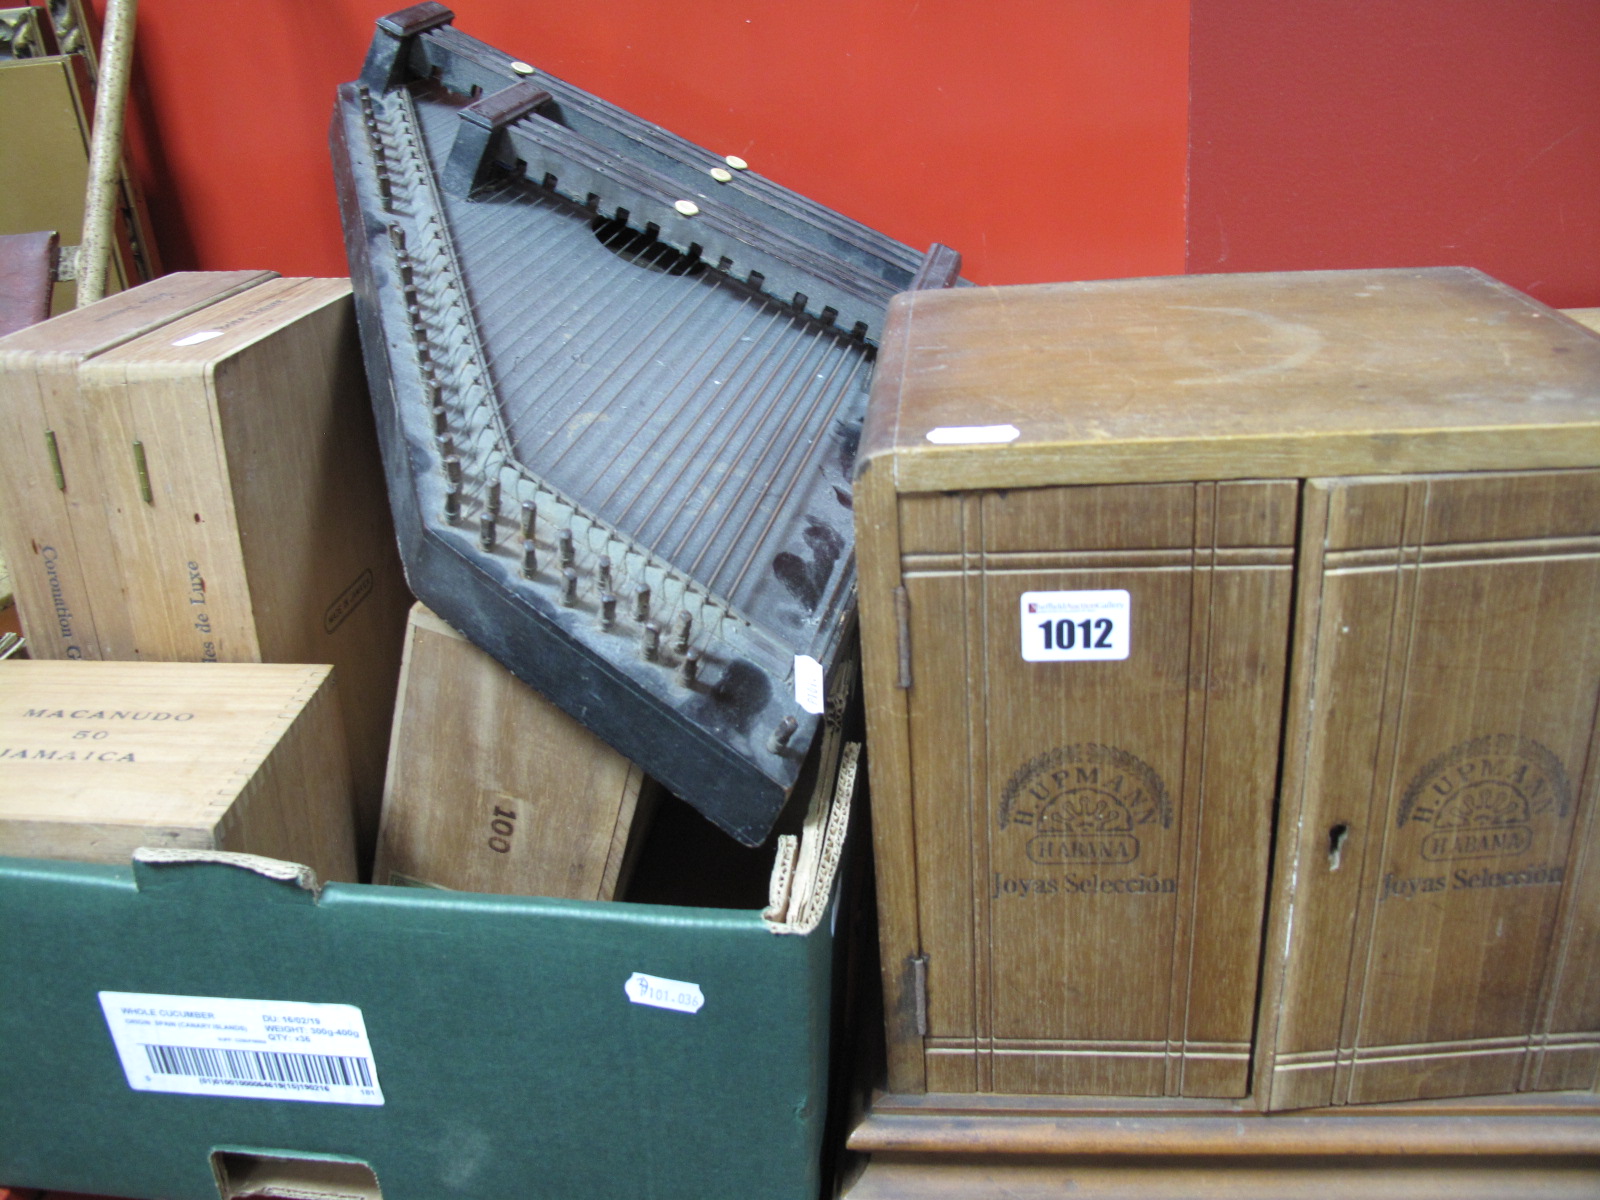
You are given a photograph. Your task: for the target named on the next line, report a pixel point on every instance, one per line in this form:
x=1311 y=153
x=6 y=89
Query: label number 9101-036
x=1076 y=626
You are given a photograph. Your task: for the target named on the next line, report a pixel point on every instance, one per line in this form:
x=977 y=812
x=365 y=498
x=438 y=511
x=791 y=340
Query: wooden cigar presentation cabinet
x=1232 y=648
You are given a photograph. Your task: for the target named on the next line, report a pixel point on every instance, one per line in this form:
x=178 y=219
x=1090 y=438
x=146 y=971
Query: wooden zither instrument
x=619 y=383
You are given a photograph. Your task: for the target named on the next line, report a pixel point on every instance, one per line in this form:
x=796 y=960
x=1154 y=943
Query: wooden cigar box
x=1159 y=574
x=245 y=501
x=53 y=528
x=100 y=758
x=491 y=788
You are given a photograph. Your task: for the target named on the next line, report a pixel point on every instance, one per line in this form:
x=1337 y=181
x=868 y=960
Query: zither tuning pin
x=565 y=548
x=680 y=632
x=650 y=641
x=569 y=587
x=528 y=514
x=689 y=669
x=530 y=560
x=641 y=605
x=608 y=610
x=486 y=530
x=781 y=735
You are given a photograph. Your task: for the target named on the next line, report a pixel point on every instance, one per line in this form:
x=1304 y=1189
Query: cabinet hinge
x=902 y=616
x=919 y=986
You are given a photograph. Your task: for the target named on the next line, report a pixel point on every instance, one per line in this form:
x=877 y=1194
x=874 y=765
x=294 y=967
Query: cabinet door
x=1435 y=911
x=1096 y=685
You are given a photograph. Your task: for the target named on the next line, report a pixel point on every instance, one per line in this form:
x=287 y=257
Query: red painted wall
x=1045 y=139
x=1355 y=133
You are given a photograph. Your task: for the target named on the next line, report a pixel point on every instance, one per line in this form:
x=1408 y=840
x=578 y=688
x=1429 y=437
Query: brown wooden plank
x=1512 y=1145
x=27 y=275
x=1456 y=702
x=1091 y=518
x=1520 y=507
x=1353 y=1179
x=1048 y=971
x=930 y=524
x=1236 y=376
x=889 y=766
x=941 y=765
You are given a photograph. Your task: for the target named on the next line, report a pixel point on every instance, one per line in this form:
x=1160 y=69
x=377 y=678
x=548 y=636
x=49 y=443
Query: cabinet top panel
x=1228 y=377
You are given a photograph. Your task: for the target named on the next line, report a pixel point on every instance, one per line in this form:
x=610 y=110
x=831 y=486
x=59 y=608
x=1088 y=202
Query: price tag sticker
x=664 y=993
x=1076 y=626
x=809 y=681
x=973 y=435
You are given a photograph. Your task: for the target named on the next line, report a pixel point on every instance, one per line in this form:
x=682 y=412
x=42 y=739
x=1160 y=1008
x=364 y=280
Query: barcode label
x=263 y=1068
x=261 y=1049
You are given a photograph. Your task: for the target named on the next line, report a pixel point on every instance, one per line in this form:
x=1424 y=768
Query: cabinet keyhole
x=1336 y=840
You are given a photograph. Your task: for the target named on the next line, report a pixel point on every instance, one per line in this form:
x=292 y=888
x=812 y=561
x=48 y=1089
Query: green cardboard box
x=503 y=1047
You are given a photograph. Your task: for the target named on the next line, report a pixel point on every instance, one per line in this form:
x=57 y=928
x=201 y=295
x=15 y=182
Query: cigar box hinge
x=55 y=459
x=902 y=617
x=919 y=985
x=143 y=467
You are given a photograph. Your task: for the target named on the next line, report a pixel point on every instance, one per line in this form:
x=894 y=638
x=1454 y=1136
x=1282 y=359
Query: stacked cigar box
x=1232 y=652
x=98 y=759
x=191 y=477
x=493 y=789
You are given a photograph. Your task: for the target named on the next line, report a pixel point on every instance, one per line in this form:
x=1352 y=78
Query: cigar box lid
x=1229 y=377
x=194 y=344
x=86 y=332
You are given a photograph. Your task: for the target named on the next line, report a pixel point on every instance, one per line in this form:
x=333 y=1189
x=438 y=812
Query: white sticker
x=194 y=339
x=260 y=1049
x=1076 y=626
x=966 y=435
x=808 y=683
x=664 y=993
